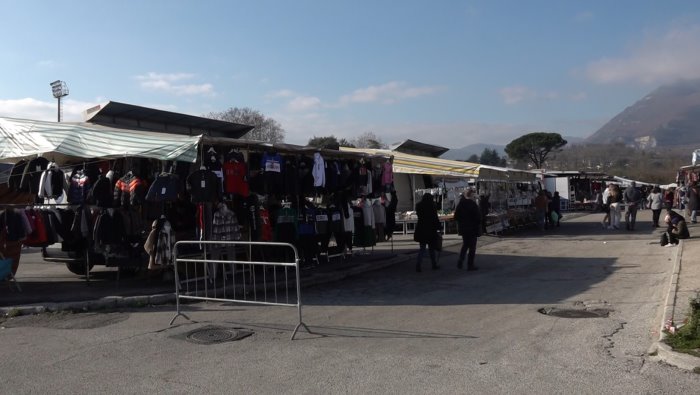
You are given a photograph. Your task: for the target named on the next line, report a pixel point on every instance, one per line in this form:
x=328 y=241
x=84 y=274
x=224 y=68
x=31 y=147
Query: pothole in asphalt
x=574 y=313
x=216 y=334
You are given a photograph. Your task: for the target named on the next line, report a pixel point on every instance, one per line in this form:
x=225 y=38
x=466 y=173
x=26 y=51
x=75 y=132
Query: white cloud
x=519 y=93
x=451 y=135
x=173 y=83
x=515 y=94
x=303 y=103
x=282 y=93
x=388 y=93
x=29 y=108
x=657 y=59
x=47 y=63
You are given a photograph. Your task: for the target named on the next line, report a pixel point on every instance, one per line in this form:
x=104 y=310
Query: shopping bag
x=554 y=216
x=437 y=242
x=5 y=268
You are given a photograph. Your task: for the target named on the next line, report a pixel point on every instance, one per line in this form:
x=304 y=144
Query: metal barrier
x=213 y=273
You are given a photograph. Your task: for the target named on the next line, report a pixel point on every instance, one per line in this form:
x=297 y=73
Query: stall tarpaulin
x=494 y=173
x=416 y=164
x=22 y=138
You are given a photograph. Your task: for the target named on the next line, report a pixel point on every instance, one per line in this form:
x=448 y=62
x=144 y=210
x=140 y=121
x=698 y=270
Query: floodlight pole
x=59 y=90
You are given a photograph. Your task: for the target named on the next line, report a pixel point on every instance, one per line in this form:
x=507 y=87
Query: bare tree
x=368 y=140
x=265 y=129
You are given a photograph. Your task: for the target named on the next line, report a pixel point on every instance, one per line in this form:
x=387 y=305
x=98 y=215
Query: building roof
x=130 y=116
x=417 y=148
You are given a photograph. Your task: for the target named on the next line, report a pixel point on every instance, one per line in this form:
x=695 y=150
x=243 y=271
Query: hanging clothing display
x=165 y=188
x=215 y=166
x=265 y=225
x=387 y=175
x=52 y=183
x=225 y=225
x=236 y=178
x=101 y=194
x=128 y=210
x=272 y=168
x=203 y=186
x=37 y=237
x=78 y=186
x=31 y=176
x=379 y=212
x=319 y=170
x=129 y=190
x=15 y=179
x=290 y=177
x=286 y=227
x=160 y=244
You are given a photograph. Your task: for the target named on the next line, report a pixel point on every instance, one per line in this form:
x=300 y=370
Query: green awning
x=20 y=138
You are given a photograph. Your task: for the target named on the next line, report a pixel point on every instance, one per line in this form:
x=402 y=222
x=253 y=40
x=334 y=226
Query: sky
x=450 y=73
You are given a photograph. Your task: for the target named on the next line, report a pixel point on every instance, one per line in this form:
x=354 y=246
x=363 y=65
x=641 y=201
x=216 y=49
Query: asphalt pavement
x=50 y=286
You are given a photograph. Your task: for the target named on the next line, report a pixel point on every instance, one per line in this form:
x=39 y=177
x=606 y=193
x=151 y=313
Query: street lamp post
x=59 y=90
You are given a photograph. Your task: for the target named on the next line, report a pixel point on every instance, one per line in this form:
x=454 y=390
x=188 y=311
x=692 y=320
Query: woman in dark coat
x=426 y=229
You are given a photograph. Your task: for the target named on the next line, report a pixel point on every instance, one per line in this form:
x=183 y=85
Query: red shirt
x=235 y=178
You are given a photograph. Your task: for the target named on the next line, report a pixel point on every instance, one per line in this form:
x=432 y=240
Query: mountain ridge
x=666 y=117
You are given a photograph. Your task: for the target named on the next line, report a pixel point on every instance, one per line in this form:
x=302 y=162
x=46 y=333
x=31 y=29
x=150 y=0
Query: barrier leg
x=296 y=329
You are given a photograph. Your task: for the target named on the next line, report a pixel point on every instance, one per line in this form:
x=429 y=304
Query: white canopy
x=416 y=164
x=23 y=138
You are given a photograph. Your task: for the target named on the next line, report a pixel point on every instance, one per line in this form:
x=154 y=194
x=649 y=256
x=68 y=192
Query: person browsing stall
x=468 y=218
x=426 y=230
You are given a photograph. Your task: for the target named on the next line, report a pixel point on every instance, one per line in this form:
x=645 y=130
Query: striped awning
x=416 y=164
x=21 y=138
x=495 y=173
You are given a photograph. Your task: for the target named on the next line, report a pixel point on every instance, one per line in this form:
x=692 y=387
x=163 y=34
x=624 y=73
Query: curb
x=106 y=303
x=660 y=350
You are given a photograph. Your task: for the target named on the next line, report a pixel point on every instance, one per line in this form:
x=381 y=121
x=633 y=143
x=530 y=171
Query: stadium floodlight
x=59 y=90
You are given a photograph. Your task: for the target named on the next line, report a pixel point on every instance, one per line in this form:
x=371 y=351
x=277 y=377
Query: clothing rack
x=44 y=251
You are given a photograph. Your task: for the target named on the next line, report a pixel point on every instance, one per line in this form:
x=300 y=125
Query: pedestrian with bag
x=468 y=220
x=614 y=199
x=426 y=232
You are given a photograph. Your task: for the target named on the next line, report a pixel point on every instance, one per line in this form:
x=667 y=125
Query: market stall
x=578 y=189
x=115 y=196
x=47 y=185
x=415 y=175
x=509 y=193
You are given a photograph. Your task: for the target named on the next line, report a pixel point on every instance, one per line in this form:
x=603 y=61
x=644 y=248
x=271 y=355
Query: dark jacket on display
x=165 y=188
x=101 y=193
x=15 y=179
x=32 y=174
x=78 y=187
x=203 y=186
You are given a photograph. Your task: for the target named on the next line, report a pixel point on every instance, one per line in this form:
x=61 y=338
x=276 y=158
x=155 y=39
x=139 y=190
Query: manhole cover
x=213 y=335
x=574 y=313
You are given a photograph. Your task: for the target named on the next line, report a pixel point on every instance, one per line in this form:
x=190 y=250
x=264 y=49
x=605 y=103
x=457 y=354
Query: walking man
x=632 y=197
x=468 y=219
